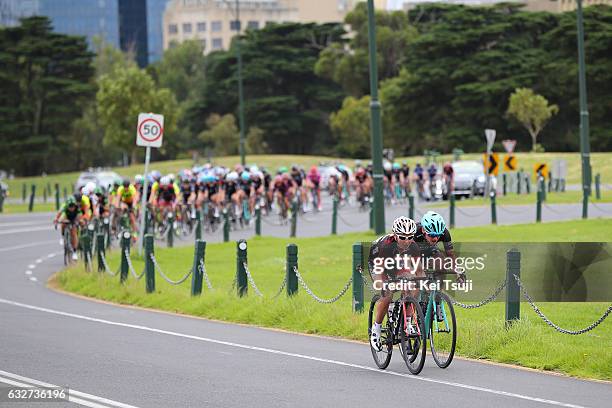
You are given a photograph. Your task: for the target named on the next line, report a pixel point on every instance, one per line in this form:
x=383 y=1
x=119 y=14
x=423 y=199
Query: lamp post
x=585 y=149
x=240 y=90
x=375 y=128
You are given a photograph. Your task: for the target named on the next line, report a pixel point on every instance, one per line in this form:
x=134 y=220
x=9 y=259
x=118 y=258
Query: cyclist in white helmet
x=399 y=242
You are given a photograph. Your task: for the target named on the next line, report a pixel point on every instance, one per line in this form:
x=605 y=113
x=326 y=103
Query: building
x=213 y=22
x=131 y=25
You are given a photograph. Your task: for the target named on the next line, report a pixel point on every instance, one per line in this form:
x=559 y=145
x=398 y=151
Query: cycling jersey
x=315 y=178
x=405 y=171
x=168 y=192
x=246 y=187
x=297 y=177
x=230 y=188
x=70 y=215
x=448 y=170
x=418 y=170
x=186 y=190
x=127 y=195
x=361 y=178
x=387 y=247
x=396 y=174
x=426 y=248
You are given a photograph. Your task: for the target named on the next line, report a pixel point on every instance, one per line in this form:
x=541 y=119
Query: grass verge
x=530 y=343
x=569 y=197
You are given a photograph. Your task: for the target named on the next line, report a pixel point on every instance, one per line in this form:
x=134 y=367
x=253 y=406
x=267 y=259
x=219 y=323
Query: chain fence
x=106 y=268
x=553 y=209
x=348 y=224
x=166 y=278
x=489 y=299
x=505 y=209
x=282 y=286
x=467 y=214
x=88 y=264
x=251 y=280
x=315 y=297
x=131 y=267
x=550 y=323
x=202 y=268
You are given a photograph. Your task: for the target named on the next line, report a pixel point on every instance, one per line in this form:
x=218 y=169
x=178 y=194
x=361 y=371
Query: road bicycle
x=410 y=323
x=69 y=250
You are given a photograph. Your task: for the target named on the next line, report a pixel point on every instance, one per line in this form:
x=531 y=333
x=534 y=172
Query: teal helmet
x=396 y=166
x=433 y=224
x=70 y=201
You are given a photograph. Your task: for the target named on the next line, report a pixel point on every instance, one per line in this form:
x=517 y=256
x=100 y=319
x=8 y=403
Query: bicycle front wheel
x=382 y=357
x=412 y=340
x=443 y=331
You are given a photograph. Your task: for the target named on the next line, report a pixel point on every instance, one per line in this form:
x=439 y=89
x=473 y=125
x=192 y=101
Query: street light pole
x=375 y=128
x=585 y=149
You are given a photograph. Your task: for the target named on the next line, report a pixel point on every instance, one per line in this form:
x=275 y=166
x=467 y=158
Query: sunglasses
x=433 y=236
x=403 y=237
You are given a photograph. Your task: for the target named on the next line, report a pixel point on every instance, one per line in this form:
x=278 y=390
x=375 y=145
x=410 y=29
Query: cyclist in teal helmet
x=431 y=230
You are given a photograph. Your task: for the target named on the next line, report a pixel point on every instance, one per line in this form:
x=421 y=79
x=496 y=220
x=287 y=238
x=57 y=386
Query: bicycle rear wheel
x=383 y=357
x=443 y=333
x=412 y=340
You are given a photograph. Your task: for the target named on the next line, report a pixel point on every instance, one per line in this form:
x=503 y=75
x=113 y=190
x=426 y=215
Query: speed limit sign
x=150 y=130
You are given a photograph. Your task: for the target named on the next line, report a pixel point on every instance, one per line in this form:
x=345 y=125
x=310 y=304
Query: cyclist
x=398 y=243
x=165 y=195
x=448 y=176
x=70 y=212
x=127 y=197
x=298 y=176
x=101 y=210
x=406 y=175
x=363 y=184
x=84 y=205
x=314 y=179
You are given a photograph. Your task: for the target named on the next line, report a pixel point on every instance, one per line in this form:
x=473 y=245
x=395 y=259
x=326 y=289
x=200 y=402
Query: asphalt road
x=115 y=356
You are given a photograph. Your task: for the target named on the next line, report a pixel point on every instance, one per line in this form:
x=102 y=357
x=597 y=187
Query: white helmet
x=165 y=180
x=232 y=176
x=387 y=166
x=404 y=226
x=89 y=188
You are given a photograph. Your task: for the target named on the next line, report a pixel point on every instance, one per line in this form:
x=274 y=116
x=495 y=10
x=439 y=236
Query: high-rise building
x=213 y=22
x=131 y=25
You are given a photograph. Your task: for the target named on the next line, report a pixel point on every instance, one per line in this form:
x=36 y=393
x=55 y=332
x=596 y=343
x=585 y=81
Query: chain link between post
x=483 y=302
x=315 y=297
x=167 y=279
x=251 y=280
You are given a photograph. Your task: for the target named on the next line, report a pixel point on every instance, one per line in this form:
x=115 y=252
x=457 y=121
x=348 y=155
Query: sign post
x=149 y=133
x=490 y=135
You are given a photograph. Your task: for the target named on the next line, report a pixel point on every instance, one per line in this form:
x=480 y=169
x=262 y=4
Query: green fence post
x=334 y=229
x=170 y=232
x=101 y=251
x=86 y=242
x=493 y=207
x=57 y=197
x=504 y=182
x=411 y=206
x=292 y=261
x=513 y=293
x=519 y=180
x=539 y=206
x=106 y=231
x=2 y=192
x=65 y=193
x=241 y=259
x=24 y=192
x=226 y=226
x=357 y=279
x=527 y=184
x=257 y=220
x=32 y=195
x=294 y=214
x=542 y=186
x=125 y=252
x=452 y=210
x=198 y=273
x=597 y=190
x=45 y=195
x=563 y=185
x=149 y=267
x=198 y=229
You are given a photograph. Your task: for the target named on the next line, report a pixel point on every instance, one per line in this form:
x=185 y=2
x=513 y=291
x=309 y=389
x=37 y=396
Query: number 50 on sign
x=150 y=130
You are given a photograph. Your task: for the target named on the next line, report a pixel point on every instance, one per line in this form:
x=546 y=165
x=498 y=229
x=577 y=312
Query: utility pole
x=585 y=149
x=375 y=128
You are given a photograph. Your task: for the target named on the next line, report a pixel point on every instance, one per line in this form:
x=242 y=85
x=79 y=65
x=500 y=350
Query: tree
x=124 y=94
x=46 y=78
x=283 y=96
x=222 y=134
x=351 y=127
x=532 y=111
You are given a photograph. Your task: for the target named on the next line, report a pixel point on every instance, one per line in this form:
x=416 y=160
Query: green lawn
x=568 y=197
x=325 y=264
x=22 y=208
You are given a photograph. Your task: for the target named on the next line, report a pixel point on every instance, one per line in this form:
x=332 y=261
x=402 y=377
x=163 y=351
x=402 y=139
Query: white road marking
x=39 y=261
x=19 y=231
x=51 y=255
x=33 y=278
x=19 y=224
x=295 y=355
x=28 y=272
x=20 y=381
x=31 y=266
